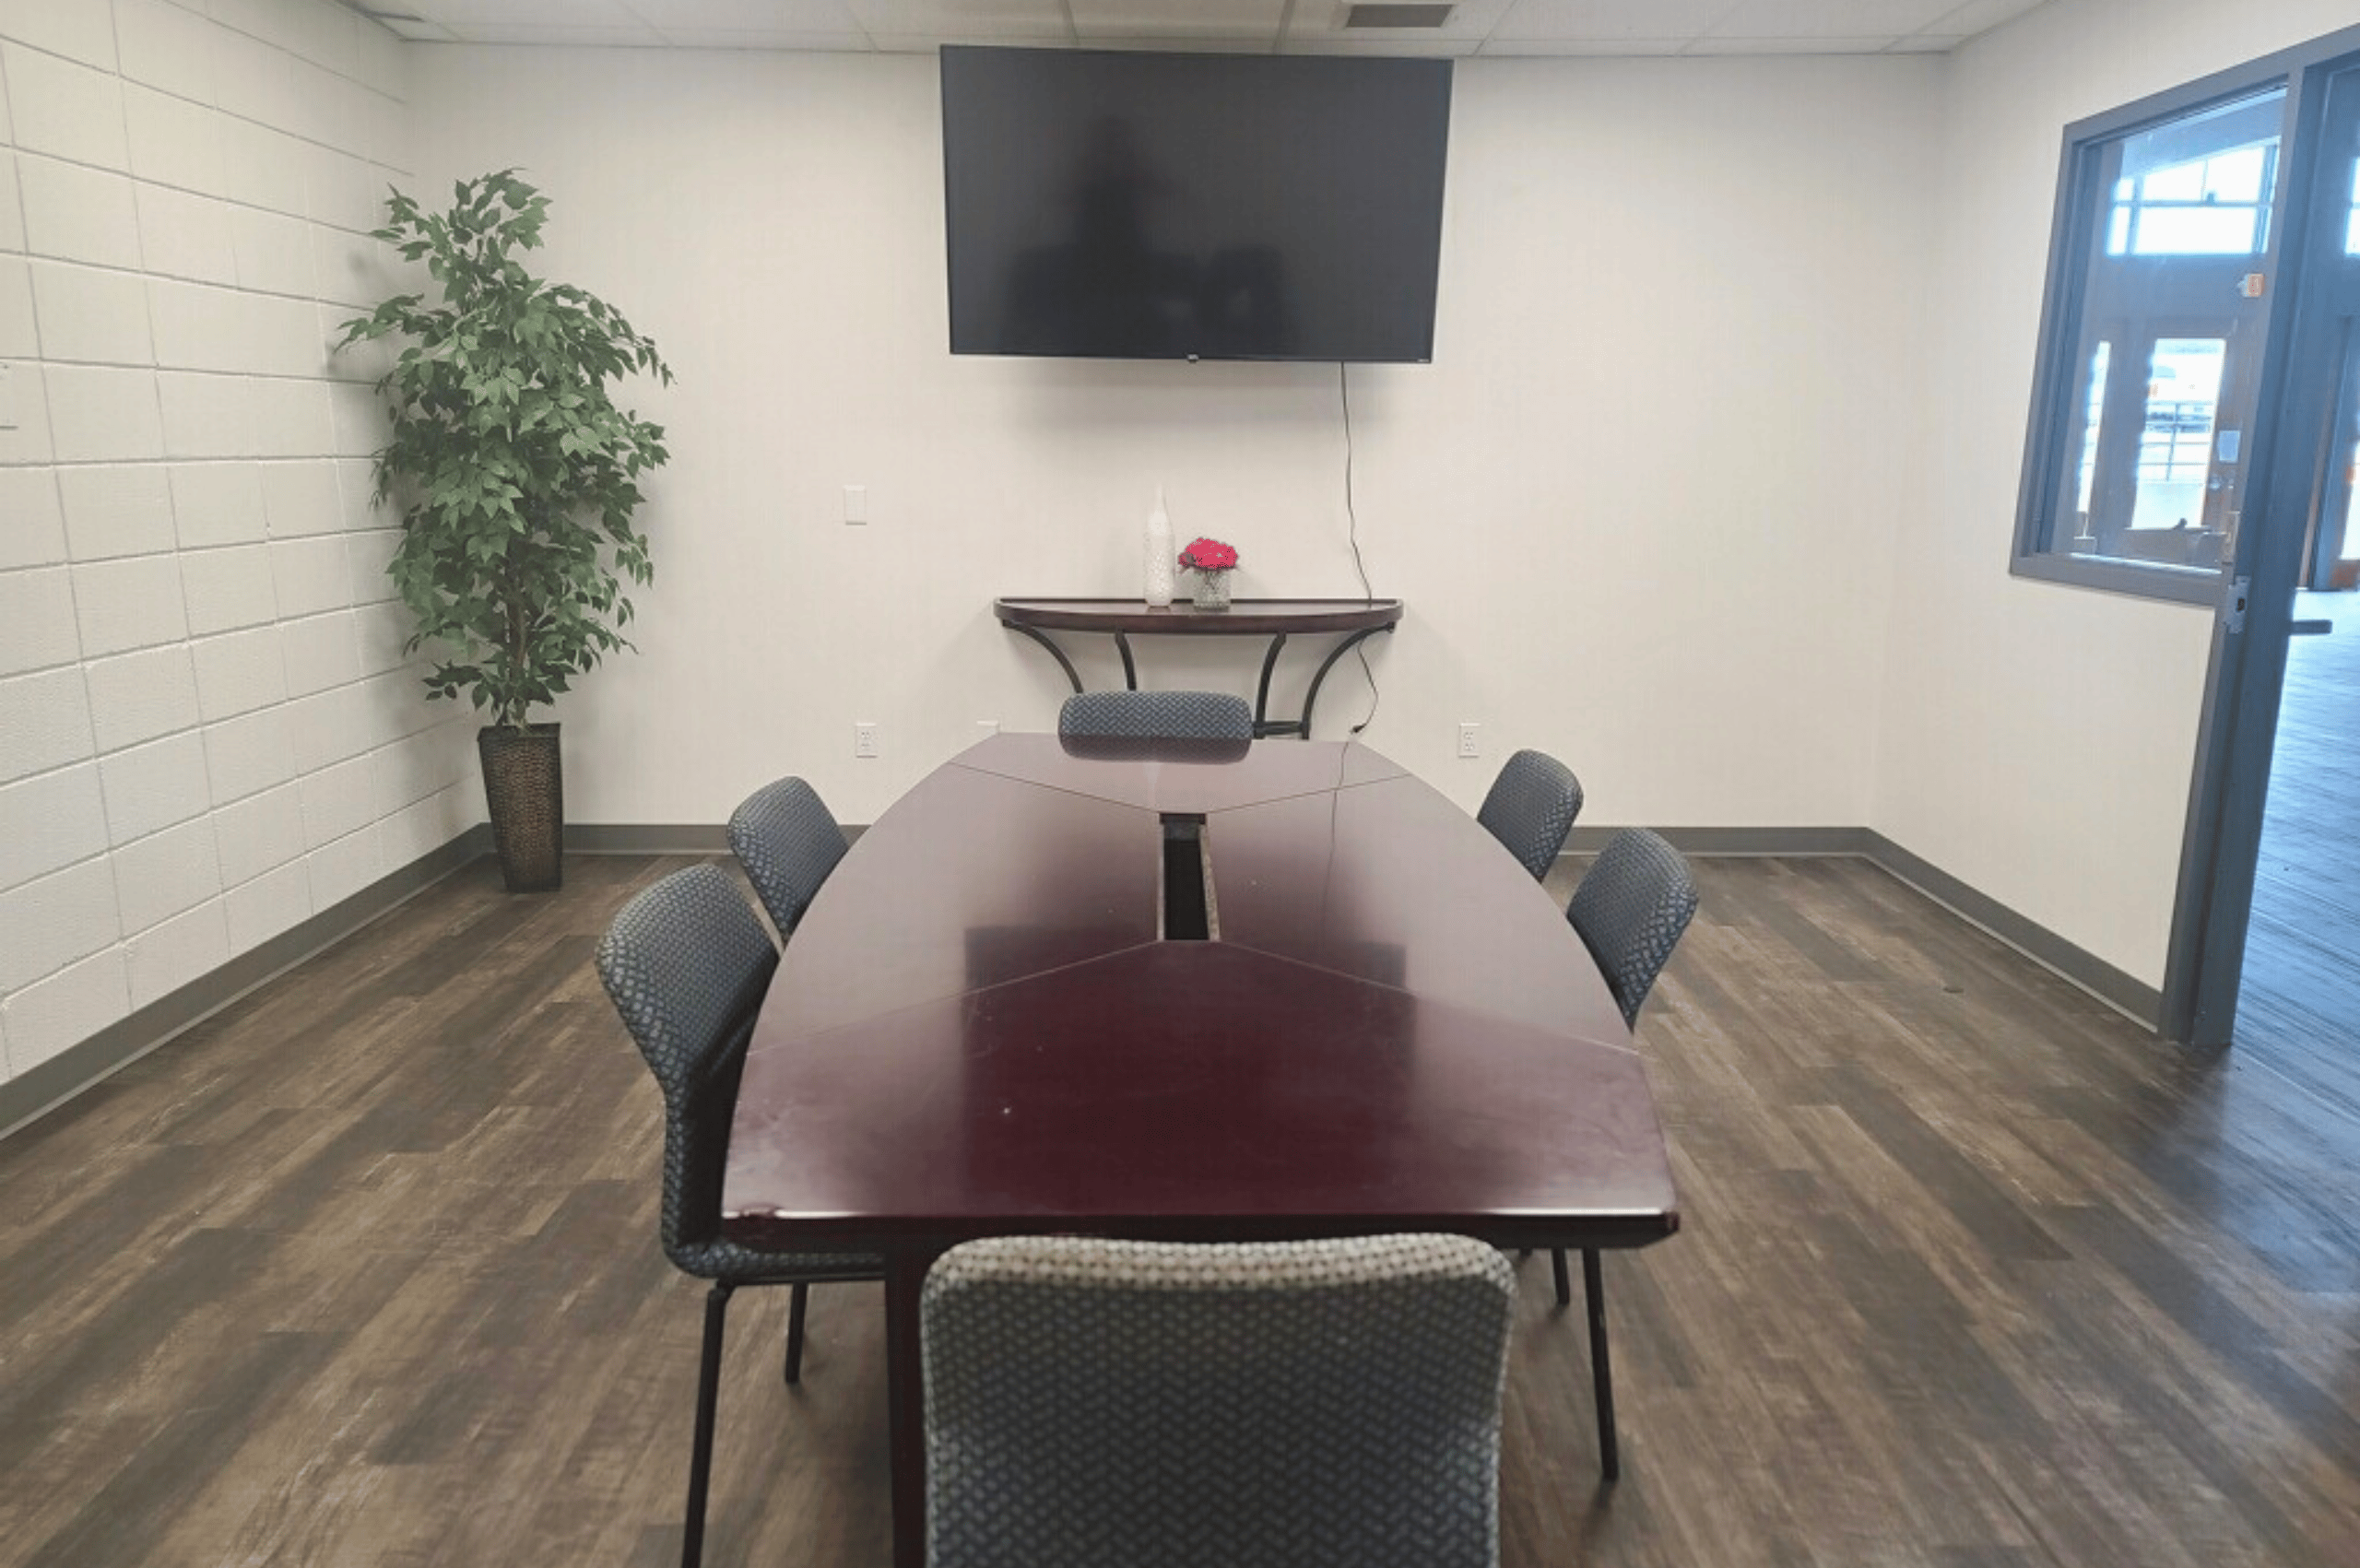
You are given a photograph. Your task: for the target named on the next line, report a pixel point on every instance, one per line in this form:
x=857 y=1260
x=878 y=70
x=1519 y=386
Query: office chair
x=1091 y=1402
x=687 y=965
x=788 y=842
x=1166 y=716
x=1532 y=808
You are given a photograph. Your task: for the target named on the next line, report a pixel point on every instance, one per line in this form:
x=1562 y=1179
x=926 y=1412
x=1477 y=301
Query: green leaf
x=509 y=465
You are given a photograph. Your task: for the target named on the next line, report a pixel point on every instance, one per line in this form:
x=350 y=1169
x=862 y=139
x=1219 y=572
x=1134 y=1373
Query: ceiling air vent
x=1395 y=16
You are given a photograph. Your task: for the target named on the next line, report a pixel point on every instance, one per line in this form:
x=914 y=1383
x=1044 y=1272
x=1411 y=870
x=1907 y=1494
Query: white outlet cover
x=8 y=397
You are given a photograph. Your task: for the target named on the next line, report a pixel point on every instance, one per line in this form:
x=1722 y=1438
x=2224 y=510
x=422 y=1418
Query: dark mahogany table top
x=1245 y=618
x=976 y=1030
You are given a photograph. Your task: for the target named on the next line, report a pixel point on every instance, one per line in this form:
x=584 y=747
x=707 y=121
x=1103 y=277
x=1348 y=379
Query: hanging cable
x=1353 y=520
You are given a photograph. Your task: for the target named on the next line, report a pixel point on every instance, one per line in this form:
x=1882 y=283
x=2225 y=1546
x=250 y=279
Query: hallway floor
x=2299 y=1010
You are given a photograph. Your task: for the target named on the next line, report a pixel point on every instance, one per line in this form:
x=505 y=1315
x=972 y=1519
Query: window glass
x=2093 y=422
x=2168 y=314
x=2176 y=437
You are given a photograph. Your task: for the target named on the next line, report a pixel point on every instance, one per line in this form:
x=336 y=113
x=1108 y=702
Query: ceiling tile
x=1982 y=16
x=814 y=16
x=1179 y=43
x=1719 y=45
x=1503 y=47
x=927 y=43
x=1578 y=20
x=1500 y=27
x=635 y=37
x=756 y=38
x=1313 y=21
x=1830 y=18
x=460 y=15
x=1422 y=46
x=955 y=20
x=416 y=29
x=1239 y=20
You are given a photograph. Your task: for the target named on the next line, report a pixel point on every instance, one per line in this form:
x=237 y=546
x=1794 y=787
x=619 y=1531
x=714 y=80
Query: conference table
x=1183 y=991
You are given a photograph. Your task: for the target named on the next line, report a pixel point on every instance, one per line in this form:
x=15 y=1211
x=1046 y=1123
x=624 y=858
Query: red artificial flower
x=1208 y=555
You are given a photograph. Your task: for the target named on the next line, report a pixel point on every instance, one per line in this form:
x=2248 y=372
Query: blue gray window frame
x=2075 y=227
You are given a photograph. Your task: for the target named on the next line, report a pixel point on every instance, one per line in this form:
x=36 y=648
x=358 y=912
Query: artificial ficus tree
x=514 y=473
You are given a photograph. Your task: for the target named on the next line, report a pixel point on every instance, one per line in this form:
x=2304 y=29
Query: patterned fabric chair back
x=687 y=965
x=788 y=842
x=1091 y=1402
x=1170 y=716
x=1632 y=905
x=1532 y=808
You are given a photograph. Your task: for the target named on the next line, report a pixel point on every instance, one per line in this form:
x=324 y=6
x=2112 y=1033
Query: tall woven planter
x=525 y=787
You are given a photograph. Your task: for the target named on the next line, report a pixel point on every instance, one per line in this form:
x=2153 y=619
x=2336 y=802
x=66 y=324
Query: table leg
x=1262 y=691
x=1610 y=1457
x=1054 y=651
x=905 y=1399
x=1130 y=670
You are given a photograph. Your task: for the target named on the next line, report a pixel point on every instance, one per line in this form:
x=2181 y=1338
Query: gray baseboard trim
x=2141 y=1003
x=646 y=838
x=661 y=838
x=2134 y=999
x=1739 y=840
x=35 y=1094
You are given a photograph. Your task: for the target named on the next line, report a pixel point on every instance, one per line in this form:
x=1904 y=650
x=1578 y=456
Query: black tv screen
x=1217 y=206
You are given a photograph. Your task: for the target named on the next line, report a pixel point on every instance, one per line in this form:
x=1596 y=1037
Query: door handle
x=2310 y=628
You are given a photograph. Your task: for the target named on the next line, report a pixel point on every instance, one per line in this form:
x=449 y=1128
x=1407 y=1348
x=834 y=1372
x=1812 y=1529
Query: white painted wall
x=1709 y=491
x=1640 y=508
x=2037 y=740
x=205 y=729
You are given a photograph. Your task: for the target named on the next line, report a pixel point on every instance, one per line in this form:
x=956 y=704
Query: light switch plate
x=856 y=504
x=8 y=397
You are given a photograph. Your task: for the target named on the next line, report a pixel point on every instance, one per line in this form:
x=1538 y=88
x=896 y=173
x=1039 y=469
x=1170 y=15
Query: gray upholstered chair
x=1629 y=910
x=788 y=842
x=1092 y=1402
x=687 y=965
x=1532 y=808
x=1162 y=716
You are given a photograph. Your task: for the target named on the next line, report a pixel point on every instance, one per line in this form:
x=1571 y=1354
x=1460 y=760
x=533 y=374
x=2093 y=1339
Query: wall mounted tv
x=1183 y=206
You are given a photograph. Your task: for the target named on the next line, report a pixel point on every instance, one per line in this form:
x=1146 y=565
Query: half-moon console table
x=1356 y=619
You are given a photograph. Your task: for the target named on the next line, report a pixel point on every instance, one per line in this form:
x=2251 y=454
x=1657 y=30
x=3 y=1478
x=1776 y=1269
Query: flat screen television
x=1184 y=206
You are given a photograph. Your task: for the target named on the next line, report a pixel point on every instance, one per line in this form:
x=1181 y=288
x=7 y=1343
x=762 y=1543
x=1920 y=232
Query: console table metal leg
x=1262 y=691
x=1312 y=696
x=1610 y=1457
x=1131 y=672
x=1057 y=654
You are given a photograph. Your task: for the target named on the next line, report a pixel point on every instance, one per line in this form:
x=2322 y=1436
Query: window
x=2157 y=317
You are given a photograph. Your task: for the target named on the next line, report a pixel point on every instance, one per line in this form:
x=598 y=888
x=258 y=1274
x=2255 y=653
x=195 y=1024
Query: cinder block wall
x=207 y=732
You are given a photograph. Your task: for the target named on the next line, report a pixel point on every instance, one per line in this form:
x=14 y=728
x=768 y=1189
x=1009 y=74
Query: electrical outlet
x=987 y=728
x=1468 y=745
x=863 y=739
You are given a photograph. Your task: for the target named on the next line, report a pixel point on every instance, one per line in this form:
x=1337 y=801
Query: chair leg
x=794 y=1333
x=1610 y=1457
x=1564 y=1286
x=716 y=1308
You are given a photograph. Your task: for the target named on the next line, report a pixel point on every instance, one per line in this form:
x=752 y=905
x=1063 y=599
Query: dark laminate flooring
x=2298 y=1008
x=364 y=1272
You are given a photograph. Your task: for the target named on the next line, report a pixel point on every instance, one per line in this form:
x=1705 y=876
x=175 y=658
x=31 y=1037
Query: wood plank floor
x=364 y=1272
